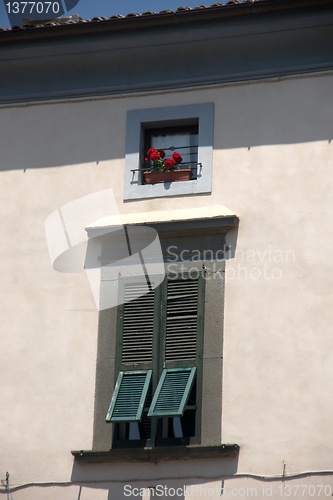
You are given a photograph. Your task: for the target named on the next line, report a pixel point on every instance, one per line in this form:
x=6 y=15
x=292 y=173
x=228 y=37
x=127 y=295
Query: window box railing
x=168 y=165
x=185 y=172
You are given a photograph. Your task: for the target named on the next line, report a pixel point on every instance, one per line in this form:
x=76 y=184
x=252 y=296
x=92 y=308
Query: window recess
x=181 y=139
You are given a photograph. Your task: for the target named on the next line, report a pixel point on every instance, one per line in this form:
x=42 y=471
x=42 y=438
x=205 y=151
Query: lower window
x=177 y=325
x=157 y=396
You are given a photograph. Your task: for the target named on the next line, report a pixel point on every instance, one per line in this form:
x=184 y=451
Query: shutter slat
x=172 y=392
x=138 y=324
x=129 y=396
x=182 y=319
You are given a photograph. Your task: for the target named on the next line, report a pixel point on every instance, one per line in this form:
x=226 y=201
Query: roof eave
x=163 y=18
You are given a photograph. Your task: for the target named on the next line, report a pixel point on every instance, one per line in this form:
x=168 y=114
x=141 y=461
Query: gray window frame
x=140 y=119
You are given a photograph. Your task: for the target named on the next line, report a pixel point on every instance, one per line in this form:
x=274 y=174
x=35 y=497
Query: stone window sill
x=156 y=454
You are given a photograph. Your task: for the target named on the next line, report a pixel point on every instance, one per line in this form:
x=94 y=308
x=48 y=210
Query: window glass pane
x=133 y=431
x=168 y=141
x=177 y=427
x=185 y=143
x=183 y=139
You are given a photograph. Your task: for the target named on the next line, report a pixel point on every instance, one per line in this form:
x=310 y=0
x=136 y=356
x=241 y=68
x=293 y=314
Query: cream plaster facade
x=272 y=166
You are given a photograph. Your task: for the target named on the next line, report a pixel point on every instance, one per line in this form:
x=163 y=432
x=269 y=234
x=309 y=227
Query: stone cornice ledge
x=212 y=216
x=156 y=454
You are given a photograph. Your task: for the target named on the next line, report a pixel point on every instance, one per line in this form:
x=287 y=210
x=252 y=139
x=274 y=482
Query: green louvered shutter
x=172 y=392
x=137 y=324
x=181 y=320
x=129 y=396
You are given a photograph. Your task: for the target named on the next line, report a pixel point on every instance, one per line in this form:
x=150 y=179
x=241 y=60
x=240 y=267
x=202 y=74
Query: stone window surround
x=187 y=231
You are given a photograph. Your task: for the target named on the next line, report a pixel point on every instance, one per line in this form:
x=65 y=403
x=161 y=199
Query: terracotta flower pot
x=168 y=176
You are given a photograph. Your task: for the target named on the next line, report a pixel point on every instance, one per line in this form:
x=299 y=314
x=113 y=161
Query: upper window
x=184 y=132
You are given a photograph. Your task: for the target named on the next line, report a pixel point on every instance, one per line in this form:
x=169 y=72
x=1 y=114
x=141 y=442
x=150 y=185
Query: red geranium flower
x=158 y=161
x=169 y=163
x=155 y=155
x=176 y=156
x=151 y=151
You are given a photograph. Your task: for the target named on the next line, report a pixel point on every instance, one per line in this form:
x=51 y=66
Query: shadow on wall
x=288 y=111
x=146 y=481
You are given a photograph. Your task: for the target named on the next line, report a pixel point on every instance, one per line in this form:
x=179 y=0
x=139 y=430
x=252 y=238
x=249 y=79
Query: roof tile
x=52 y=23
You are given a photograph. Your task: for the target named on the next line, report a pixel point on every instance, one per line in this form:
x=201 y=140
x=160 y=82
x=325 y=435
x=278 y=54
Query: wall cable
x=284 y=477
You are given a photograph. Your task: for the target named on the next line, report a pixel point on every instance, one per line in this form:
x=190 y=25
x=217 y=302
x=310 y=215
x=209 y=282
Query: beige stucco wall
x=272 y=162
